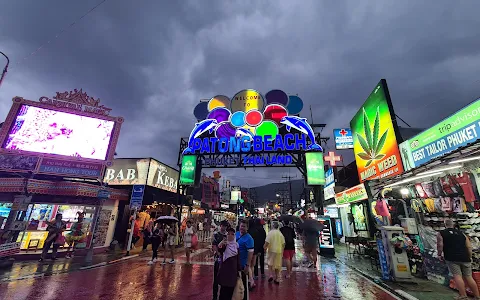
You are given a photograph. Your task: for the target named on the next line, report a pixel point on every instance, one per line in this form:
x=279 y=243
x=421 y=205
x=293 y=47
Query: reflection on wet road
x=135 y=279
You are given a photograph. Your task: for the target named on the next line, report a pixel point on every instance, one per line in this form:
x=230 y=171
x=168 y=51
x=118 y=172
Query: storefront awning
x=58 y=188
x=468 y=151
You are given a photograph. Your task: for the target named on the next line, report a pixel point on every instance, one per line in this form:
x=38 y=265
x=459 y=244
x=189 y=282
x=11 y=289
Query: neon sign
x=251 y=123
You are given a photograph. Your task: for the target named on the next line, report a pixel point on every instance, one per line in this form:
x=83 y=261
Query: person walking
x=200 y=231
x=171 y=235
x=187 y=240
x=155 y=239
x=289 y=251
x=55 y=228
x=311 y=246
x=274 y=243
x=245 y=251
x=217 y=239
x=455 y=248
x=230 y=265
x=259 y=252
x=147 y=233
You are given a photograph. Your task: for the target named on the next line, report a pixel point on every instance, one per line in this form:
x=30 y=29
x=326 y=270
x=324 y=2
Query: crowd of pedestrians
x=239 y=256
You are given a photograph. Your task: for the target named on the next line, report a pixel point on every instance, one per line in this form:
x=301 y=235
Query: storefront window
x=39 y=214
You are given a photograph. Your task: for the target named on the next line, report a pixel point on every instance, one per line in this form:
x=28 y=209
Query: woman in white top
x=187 y=240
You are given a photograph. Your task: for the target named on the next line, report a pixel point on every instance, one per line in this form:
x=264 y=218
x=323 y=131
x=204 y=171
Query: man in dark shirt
x=217 y=239
x=289 y=250
x=455 y=248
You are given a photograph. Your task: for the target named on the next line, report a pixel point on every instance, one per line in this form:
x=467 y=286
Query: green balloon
x=267 y=128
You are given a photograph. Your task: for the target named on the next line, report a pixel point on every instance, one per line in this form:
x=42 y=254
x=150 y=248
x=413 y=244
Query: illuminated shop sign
x=250 y=123
x=354 y=194
x=458 y=130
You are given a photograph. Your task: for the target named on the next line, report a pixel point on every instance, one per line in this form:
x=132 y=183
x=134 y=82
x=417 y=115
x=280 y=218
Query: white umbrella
x=167 y=219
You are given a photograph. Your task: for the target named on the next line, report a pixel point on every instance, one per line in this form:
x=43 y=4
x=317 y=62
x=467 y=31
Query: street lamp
x=4 y=69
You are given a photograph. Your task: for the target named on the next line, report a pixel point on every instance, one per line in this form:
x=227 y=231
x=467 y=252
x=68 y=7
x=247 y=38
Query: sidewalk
x=24 y=269
x=422 y=289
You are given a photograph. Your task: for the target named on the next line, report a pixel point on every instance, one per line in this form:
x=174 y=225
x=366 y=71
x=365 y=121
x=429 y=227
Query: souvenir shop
x=444 y=188
x=49 y=198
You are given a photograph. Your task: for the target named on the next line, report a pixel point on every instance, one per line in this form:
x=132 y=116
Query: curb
x=398 y=293
x=39 y=275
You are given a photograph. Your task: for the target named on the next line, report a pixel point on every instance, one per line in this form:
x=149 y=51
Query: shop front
x=355 y=215
x=160 y=196
x=47 y=199
x=441 y=182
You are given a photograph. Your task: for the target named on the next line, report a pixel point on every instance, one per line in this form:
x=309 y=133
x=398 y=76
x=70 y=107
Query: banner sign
x=162 y=176
x=144 y=171
x=315 y=168
x=329 y=190
x=137 y=197
x=458 y=130
x=70 y=168
x=343 y=138
x=374 y=136
x=189 y=167
x=354 y=194
x=9 y=249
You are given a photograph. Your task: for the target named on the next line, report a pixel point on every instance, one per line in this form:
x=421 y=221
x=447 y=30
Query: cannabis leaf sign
x=370 y=143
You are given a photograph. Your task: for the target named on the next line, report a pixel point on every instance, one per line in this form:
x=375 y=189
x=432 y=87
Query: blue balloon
x=238 y=119
x=201 y=111
x=295 y=105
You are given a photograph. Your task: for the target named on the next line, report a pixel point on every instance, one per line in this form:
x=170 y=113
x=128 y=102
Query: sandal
x=270 y=279
x=276 y=282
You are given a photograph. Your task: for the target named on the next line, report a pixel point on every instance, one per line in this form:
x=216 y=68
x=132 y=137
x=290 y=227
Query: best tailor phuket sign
x=452 y=133
x=250 y=123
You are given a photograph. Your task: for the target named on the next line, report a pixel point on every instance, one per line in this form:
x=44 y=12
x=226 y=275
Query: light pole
x=4 y=69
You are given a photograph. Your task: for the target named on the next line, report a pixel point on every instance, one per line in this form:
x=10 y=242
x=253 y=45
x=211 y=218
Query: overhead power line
x=59 y=33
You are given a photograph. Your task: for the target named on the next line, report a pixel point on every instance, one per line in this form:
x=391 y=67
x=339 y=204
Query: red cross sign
x=332 y=159
x=343 y=132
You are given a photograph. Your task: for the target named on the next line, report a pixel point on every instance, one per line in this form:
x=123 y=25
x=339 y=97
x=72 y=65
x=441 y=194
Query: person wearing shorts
x=289 y=251
x=275 y=244
x=455 y=248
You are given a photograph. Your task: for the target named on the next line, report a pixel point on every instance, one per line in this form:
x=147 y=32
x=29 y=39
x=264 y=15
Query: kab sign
x=458 y=130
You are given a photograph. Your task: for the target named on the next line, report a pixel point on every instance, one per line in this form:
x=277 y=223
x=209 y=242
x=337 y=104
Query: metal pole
x=129 y=243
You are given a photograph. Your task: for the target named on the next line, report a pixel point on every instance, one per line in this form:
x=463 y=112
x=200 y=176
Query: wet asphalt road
x=134 y=279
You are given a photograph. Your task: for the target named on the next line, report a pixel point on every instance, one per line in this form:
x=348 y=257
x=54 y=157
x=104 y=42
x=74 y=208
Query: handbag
x=239 y=291
x=194 y=241
x=60 y=240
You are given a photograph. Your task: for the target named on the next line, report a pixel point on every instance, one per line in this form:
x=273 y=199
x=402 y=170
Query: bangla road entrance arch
x=251 y=130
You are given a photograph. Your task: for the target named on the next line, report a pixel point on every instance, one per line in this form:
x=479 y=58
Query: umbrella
x=311 y=225
x=166 y=219
x=290 y=218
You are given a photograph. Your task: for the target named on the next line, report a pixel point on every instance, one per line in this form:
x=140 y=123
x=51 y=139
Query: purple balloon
x=225 y=130
x=220 y=114
x=277 y=96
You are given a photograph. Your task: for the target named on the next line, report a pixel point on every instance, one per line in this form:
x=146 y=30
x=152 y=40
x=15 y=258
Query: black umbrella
x=290 y=218
x=311 y=225
x=166 y=219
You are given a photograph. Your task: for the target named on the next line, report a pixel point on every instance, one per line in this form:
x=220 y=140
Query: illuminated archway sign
x=250 y=123
x=253 y=130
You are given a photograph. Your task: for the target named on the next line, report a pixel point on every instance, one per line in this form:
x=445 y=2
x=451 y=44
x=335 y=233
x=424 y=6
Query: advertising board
x=458 y=130
x=375 y=137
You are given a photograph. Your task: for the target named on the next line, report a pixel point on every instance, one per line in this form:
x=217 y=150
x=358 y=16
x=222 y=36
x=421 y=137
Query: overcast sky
x=151 y=61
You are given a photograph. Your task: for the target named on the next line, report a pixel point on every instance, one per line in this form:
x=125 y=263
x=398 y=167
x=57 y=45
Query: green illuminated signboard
x=458 y=130
x=187 y=173
x=315 y=168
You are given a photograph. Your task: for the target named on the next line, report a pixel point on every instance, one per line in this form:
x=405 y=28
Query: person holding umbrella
x=311 y=228
x=170 y=236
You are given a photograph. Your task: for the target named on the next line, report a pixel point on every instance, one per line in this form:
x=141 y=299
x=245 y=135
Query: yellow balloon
x=218 y=101
x=247 y=100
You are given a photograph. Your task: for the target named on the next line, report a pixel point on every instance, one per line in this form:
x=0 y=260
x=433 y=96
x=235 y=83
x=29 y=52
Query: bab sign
x=452 y=133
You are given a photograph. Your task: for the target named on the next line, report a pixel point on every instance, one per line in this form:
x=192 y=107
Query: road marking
x=406 y=295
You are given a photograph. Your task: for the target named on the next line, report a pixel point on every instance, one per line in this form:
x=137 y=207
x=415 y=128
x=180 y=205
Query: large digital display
x=458 y=130
x=48 y=131
x=189 y=167
x=375 y=137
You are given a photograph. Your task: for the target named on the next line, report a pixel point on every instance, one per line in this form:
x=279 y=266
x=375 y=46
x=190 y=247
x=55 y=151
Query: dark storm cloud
x=153 y=61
